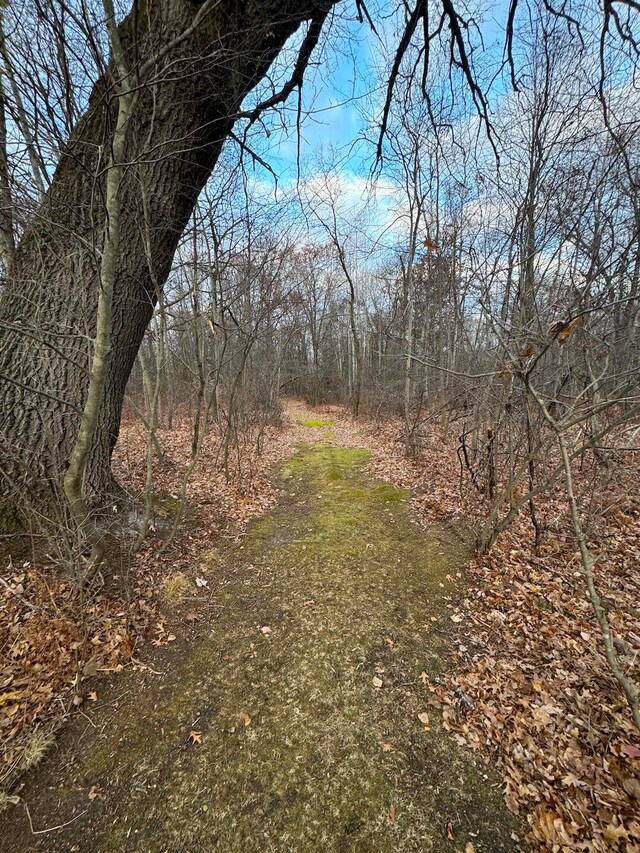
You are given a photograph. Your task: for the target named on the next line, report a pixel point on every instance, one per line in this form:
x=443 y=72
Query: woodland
x=319 y=425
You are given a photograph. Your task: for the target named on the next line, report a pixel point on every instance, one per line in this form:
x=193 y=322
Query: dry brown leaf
x=632 y=787
x=615 y=832
x=91 y=667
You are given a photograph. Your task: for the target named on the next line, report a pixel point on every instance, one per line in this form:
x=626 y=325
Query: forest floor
x=166 y=678
x=291 y=707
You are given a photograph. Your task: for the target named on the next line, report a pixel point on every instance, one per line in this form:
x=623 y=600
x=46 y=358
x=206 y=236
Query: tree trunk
x=195 y=64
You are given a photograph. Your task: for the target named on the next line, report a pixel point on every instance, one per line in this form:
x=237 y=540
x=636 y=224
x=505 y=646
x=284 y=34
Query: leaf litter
x=538 y=699
x=312 y=754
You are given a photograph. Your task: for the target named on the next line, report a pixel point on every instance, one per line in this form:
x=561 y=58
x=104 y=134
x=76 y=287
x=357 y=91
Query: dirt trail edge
x=288 y=721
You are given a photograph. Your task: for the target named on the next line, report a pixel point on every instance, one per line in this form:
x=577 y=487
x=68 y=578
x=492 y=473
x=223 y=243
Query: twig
x=51 y=828
x=145 y=666
x=21 y=597
x=88 y=718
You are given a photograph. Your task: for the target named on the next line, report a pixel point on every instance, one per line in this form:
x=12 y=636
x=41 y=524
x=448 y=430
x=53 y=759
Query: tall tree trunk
x=7 y=244
x=195 y=62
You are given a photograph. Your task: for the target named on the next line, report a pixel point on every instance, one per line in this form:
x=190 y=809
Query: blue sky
x=343 y=71
x=332 y=119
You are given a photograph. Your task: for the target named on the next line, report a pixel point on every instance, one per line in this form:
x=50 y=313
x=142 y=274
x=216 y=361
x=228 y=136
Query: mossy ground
x=299 y=750
x=165 y=505
x=315 y=423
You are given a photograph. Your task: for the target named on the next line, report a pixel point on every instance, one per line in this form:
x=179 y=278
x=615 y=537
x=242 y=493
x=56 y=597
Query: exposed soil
x=284 y=717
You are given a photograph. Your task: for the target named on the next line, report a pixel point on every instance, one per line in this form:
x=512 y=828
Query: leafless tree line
x=499 y=303
x=482 y=276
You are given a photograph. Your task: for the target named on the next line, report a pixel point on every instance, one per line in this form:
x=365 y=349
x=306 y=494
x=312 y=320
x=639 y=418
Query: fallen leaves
x=532 y=687
x=532 y=690
x=45 y=653
x=632 y=787
x=43 y=648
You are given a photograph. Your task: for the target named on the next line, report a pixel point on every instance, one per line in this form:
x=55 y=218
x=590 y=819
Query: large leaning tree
x=191 y=66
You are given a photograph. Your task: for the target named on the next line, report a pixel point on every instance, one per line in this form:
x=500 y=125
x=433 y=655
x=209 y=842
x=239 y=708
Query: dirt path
x=301 y=685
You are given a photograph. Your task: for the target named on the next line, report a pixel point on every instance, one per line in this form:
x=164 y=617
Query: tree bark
x=195 y=63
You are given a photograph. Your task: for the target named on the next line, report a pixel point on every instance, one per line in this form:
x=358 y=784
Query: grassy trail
x=302 y=690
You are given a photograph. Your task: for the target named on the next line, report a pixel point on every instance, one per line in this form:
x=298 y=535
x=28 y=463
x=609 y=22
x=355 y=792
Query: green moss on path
x=299 y=750
x=314 y=423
